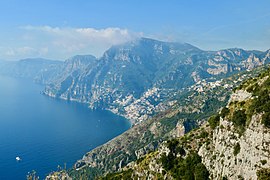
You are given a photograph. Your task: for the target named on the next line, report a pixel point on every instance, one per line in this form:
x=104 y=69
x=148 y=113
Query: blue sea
x=45 y=132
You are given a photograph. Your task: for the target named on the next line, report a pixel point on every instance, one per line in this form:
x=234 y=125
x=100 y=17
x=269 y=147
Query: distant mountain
x=38 y=69
x=139 y=78
x=68 y=72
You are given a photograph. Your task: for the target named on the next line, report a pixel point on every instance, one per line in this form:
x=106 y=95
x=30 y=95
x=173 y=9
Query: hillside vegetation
x=159 y=147
x=234 y=144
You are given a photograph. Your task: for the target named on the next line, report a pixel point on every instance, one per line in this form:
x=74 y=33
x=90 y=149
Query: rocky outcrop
x=240 y=95
x=238 y=154
x=254 y=153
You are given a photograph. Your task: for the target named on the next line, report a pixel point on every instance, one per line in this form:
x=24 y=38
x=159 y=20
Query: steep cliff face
x=129 y=151
x=240 y=144
x=136 y=79
x=67 y=76
x=233 y=144
x=233 y=156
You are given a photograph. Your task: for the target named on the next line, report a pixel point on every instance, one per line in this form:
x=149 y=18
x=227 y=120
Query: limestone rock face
x=179 y=129
x=235 y=153
x=240 y=95
x=254 y=145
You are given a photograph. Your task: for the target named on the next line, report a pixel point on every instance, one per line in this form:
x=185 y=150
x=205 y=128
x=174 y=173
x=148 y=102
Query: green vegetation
x=85 y=173
x=262 y=104
x=183 y=167
x=124 y=175
x=214 y=121
x=239 y=119
x=203 y=134
x=236 y=149
x=224 y=112
x=263 y=174
x=191 y=108
x=211 y=104
x=266 y=119
x=263 y=162
x=261 y=100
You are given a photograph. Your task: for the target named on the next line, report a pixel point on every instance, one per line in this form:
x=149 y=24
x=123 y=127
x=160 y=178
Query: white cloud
x=64 y=42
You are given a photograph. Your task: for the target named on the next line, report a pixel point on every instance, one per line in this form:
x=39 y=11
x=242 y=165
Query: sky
x=59 y=29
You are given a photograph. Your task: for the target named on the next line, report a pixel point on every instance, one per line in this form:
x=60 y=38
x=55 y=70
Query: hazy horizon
x=59 y=30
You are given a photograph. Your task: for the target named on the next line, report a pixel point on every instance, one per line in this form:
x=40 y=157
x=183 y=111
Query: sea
x=47 y=133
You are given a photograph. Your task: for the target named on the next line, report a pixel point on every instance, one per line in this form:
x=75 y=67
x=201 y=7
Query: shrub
x=263 y=162
x=224 y=112
x=214 y=121
x=203 y=134
x=236 y=149
x=201 y=172
x=180 y=150
x=188 y=168
x=239 y=118
x=263 y=174
x=266 y=119
x=172 y=144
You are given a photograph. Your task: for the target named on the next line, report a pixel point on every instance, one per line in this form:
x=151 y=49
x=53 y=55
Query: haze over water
x=46 y=132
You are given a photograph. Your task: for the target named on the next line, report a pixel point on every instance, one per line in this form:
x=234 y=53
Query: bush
x=180 y=150
x=224 y=112
x=172 y=144
x=214 y=121
x=263 y=174
x=203 y=134
x=236 y=149
x=263 y=162
x=201 y=172
x=127 y=174
x=188 y=168
x=167 y=161
x=239 y=118
x=260 y=105
x=266 y=119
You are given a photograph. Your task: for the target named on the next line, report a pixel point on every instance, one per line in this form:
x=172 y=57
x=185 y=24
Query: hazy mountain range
x=166 y=90
x=136 y=79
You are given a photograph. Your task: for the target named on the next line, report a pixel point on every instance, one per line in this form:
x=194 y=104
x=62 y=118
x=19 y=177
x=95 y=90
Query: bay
x=46 y=132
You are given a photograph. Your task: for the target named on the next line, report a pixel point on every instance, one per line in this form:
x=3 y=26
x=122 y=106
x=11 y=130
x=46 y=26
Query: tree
x=214 y=121
x=201 y=173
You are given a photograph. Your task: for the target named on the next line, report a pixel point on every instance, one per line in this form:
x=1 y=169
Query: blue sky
x=58 y=29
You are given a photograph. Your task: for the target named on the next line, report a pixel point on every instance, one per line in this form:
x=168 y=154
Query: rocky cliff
x=140 y=78
x=240 y=145
x=128 y=153
x=233 y=144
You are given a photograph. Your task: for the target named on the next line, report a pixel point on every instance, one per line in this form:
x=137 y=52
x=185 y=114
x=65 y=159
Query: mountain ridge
x=160 y=147
x=233 y=144
x=149 y=66
x=177 y=84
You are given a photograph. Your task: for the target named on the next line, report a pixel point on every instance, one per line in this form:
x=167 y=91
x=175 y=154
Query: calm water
x=46 y=132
